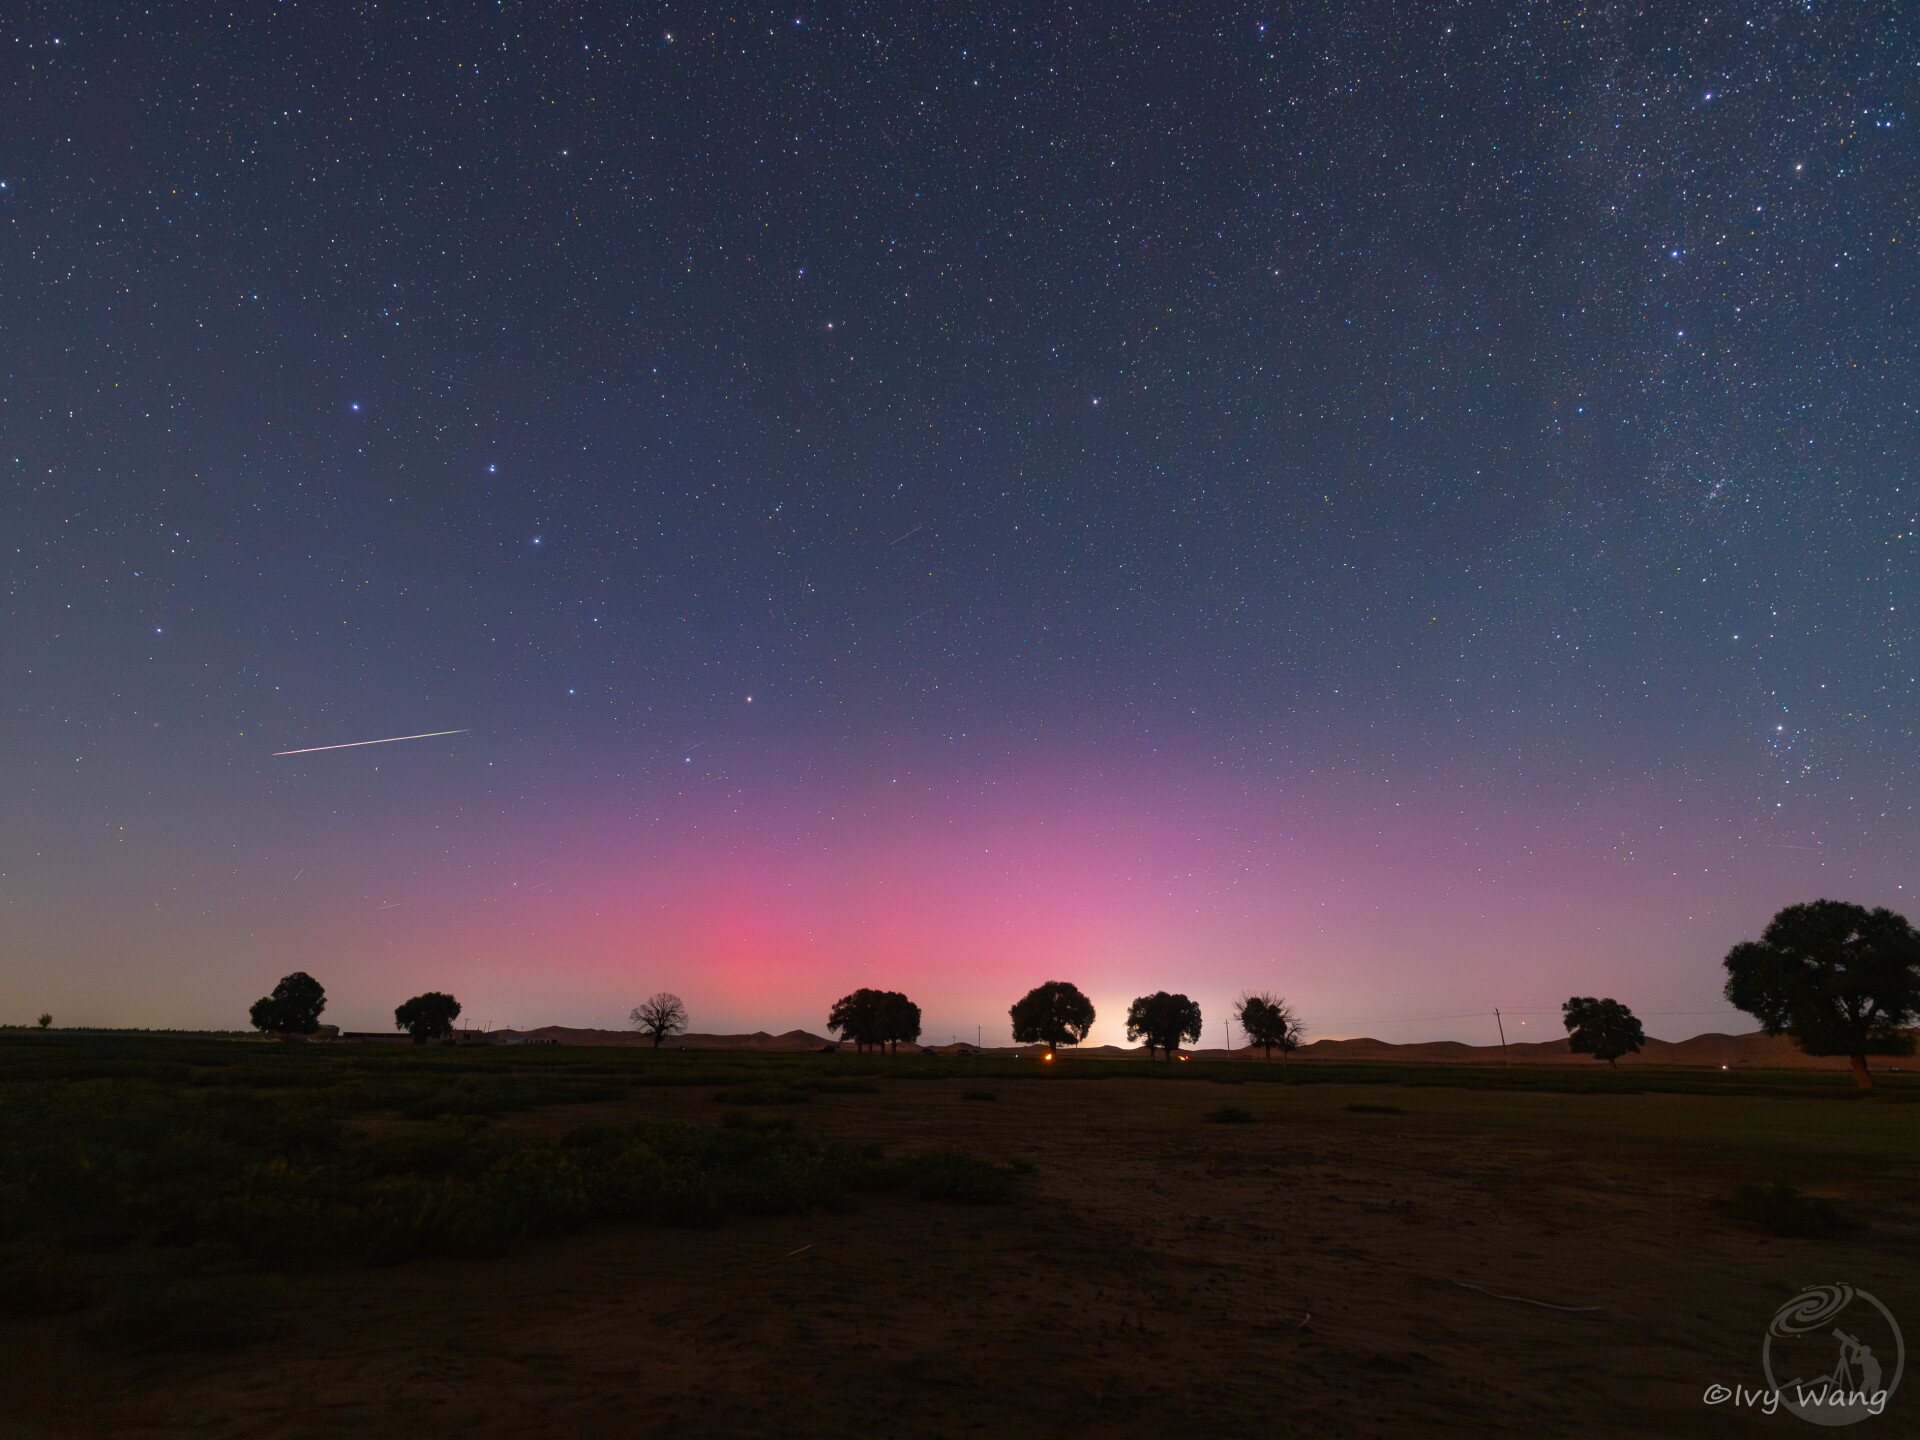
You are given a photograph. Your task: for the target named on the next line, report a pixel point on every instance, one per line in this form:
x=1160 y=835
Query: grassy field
x=223 y=1237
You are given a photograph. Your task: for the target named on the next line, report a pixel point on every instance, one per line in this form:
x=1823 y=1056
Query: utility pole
x=1503 y=1035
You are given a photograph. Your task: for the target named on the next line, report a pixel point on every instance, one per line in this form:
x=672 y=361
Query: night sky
x=1408 y=506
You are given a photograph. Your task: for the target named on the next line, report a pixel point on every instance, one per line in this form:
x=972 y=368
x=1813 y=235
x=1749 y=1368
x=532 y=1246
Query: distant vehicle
x=928 y=1050
x=828 y=1050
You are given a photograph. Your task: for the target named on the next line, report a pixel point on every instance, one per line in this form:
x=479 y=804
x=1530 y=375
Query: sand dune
x=758 y=1040
x=1751 y=1050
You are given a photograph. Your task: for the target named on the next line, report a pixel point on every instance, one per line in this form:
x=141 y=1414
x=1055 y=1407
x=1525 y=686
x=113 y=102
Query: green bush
x=943 y=1175
x=251 y=1158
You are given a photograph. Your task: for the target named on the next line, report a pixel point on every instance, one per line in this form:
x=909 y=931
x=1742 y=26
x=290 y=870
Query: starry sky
x=1405 y=505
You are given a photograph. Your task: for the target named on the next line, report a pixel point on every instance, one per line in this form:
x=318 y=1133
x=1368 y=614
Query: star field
x=1383 y=501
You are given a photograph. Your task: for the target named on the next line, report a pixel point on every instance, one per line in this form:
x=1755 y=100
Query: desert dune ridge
x=1754 y=1049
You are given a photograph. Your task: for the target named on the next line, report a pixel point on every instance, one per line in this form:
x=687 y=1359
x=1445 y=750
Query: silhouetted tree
x=293 y=1008
x=1604 y=1029
x=1163 y=1021
x=1053 y=1014
x=1271 y=1023
x=900 y=1019
x=427 y=1017
x=660 y=1016
x=860 y=1017
x=1839 y=978
x=44 y=1021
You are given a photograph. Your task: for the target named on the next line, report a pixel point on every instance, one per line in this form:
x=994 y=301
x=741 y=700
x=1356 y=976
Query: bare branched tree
x=660 y=1016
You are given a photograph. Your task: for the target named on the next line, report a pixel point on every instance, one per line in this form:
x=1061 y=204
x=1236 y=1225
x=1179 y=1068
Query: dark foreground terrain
x=242 y=1239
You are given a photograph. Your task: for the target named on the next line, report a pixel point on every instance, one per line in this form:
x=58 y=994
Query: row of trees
x=296 y=1002
x=1838 y=978
x=1057 y=1013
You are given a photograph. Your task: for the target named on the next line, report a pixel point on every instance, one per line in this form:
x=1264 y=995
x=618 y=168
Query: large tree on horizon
x=1839 y=978
x=1604 y=1029
x=875 y=1018
x=1053 y=1014
x=899 y=1019
x=1271 y=1023
x=1163 y=1021
x=427 y=1017
x=293 y=1008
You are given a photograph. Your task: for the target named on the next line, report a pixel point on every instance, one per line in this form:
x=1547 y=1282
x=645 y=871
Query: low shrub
x=156 y=1314
x=496 y=1095
x=1229 y=1115
x=1783 y=1210
x=775 y=1094
x=944 y=1175
x=215 y=1172
x=760 y=1124
x=978 y=1095
x=36 y=1279
x=798 y=1092
x=839 y=1087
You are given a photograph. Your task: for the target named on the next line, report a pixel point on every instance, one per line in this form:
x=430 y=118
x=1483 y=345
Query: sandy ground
x=1157 y=1273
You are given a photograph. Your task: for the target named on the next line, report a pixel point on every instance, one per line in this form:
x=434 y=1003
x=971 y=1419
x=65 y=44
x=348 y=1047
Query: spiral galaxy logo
x=1834 y=1355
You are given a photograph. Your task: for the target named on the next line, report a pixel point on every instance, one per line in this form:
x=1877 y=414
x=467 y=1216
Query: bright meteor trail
x=351 y=744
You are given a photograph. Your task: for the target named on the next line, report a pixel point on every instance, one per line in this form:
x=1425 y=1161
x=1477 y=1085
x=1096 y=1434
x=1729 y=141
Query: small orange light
x=1048 y=1058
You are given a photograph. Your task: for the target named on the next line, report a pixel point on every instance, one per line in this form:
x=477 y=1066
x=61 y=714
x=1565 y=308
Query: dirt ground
x=1306 y=1274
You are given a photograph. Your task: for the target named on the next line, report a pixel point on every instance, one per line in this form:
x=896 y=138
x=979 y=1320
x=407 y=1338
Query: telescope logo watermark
x=1834 y=1345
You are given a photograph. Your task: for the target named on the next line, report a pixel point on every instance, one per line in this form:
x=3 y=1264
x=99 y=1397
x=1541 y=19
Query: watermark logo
x=1833 y=1355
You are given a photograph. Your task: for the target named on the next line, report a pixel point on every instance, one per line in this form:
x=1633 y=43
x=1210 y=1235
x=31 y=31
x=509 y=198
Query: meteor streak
x=391 y=739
